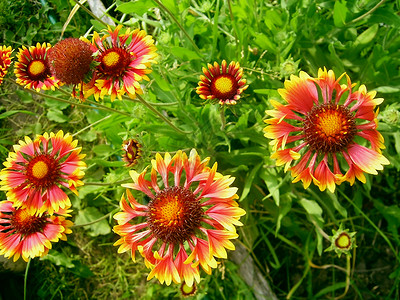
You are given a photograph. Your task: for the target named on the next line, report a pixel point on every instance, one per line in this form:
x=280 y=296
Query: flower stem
x=367 y=13
x=161 y=116
x=372 y=223
x=26 y=276
x=181 y=28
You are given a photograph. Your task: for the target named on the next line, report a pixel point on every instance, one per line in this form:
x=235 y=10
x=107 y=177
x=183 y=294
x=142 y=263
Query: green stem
x=372 y=223
x=90 y=125
x=160 y=115
x=233 y=21
x=91 y=14
x=181 y=28
x=367 y=13
x=26 y=276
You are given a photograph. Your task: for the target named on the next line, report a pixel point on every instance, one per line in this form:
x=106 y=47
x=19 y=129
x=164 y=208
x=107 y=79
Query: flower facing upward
x=189 y=220
x=36 y=170
x=132 y=152
x=121 y=64
x=22 y=233
x=5 y=61
x=342 y=241
x=223 y=84
x=32 y=69
x=324 y=124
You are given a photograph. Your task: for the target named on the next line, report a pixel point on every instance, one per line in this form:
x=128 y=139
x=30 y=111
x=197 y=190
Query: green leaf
x=183 y=53
x=90 y=214
x=339 y=13
x=337 y=205
x=56 y=116
x=367 y=36
x=12 y=112
x=136 y=7
x=56 y=104
x=249 y=181
x=59 y=259
x=102 y=150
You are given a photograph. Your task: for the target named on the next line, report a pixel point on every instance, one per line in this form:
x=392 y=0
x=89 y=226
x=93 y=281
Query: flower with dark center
x=189 y=220
x=5 y=61
x=70 y=61
x=223 y=84
x=132 y=152
x=37 y=169
x=23 y=233
x=323 y=123
x=32 y=69
x=342 y=241
x=121 y=64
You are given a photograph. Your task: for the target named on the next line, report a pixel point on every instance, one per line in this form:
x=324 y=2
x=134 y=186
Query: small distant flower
x=5 y=61
x=70 y=61
x=122 y=64
x=223 y=84
x=132 y=152
x=186 y=290
x=189 y=220
x=342 y=241
x=322 y=130
x=32 y=69
x=37 y=169
x=23 y=233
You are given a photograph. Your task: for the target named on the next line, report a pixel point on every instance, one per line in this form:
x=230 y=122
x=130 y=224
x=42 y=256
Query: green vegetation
x=285 y=225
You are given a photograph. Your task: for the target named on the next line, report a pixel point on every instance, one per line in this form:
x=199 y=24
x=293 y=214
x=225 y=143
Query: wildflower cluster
x=34 y=214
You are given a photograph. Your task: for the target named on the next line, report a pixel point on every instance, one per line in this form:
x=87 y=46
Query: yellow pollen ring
x=40 y=169
x=37 y=67
x=111 y=59
x=330 y=124
x=223 y=85
x=343 y=241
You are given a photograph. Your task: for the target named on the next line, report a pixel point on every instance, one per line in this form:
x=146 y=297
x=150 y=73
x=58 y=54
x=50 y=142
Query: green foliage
x=284 y=225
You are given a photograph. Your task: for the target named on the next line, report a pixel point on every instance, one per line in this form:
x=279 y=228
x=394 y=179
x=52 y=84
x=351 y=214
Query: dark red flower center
x=224 y=86
x=174 y=214
x=43 y=170
x=329 y=128
x=343 y=241
x=38 y=70
x=70 y=60
x=25 y=223
x=114 y=61
x=186 y=290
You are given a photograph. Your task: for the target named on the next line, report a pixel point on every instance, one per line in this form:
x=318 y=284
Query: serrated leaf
x=56 y=104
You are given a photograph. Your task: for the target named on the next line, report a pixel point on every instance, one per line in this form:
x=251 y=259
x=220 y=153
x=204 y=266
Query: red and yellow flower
x=325 y=127
x=122 y=64
x=5 y=61
x=32 y=69
x=189 y=220
x=23 y=233
x=37 y=170
x=223 y=84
